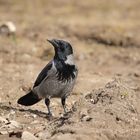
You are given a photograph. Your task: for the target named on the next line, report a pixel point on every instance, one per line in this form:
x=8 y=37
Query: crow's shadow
x=36 y=112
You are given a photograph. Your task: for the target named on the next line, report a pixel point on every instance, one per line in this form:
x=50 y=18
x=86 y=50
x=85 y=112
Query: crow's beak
x=53 y=42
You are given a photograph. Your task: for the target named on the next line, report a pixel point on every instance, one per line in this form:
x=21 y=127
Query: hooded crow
x=56 y=80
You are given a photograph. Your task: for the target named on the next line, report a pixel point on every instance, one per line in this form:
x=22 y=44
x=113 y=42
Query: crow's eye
x=62 y=49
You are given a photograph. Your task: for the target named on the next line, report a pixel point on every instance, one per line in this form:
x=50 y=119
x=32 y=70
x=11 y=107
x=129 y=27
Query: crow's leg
x=63 y=101
x=47 y=102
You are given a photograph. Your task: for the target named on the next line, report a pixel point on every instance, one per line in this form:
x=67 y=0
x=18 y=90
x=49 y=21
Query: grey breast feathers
x=53 y=86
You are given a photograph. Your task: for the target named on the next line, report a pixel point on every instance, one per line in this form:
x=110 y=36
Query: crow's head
x=63 y=50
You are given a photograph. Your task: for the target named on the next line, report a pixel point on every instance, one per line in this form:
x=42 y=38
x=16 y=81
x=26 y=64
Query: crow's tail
x=28 y=99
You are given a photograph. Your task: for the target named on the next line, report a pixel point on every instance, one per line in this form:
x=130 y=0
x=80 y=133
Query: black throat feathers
x=65 y=72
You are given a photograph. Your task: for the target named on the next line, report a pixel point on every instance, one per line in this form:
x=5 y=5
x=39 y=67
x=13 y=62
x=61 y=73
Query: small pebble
x=28 y=136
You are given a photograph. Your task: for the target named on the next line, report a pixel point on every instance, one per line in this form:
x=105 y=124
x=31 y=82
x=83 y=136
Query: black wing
x=42 y=74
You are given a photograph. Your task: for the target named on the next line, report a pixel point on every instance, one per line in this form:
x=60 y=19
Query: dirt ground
x=105 y=35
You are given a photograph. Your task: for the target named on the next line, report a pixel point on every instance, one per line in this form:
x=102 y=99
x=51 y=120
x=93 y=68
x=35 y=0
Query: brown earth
x=105 y=36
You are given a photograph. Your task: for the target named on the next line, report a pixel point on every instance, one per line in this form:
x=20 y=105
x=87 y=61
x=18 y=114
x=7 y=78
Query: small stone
x=35 y=122
x=92 y=101
x=12 y=112
x=34 y=115
x=85 y=117
x=13 y=124
x=122 y=96
x=29 y=127
x=3 y=132
x=27 y=115
x=7 y=28
x=28 y=136
x=3 y=120
x=43 y=135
